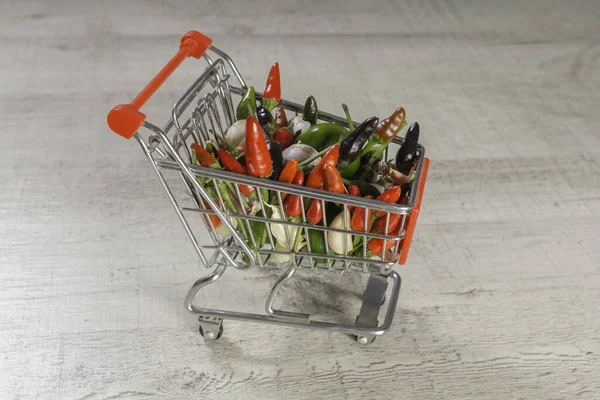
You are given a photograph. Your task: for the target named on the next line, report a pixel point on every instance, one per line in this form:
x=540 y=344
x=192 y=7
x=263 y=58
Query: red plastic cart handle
x=411 y=220
x=126 y=119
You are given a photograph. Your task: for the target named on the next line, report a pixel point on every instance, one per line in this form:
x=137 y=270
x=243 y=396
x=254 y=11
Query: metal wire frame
x=203 y=114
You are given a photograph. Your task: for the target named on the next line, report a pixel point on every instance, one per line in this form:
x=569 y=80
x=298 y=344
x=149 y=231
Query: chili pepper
x=316 y=177
x=284 y=137
x=316 y=239
x=389 y=127
x=358 y=217
x=350 y=171
x=280 y=118
x=204 y=157
x=389 y=196
x=276 y=158
x=352 y=145
x=272 y=93
x=232 y=165
x=289 y=172
x=265 y=119
x=258 y=159
x=216 y=221
x=311 y=111
x=407 y=153
x=321 y=136
x=292 y=205
x=212 y=149
x=314 y=215
x=273 y=87
x=247 y=105
x=376 y=244
x=333 y=180
x=331 y=157
x=353 y=190
x=393 y=224
x=316 y=180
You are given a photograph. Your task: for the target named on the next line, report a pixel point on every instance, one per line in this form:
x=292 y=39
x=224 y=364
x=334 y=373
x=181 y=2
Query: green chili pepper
x=350 y=171
x=311 y=111
x=322 y=136
x=246 y=106
x=317 y=244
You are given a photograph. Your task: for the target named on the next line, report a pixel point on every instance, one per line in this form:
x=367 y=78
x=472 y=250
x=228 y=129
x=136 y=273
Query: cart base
x=366 y=328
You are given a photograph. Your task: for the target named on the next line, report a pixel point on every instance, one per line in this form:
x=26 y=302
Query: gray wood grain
x=501 y=294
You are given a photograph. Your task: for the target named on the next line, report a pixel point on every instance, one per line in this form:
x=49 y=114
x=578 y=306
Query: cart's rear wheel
x=209 y=334
x=364 y=340
x=210 y=328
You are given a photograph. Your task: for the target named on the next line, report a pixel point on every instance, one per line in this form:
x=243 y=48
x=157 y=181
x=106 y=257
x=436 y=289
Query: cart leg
x=210 y=327
x=373 y=299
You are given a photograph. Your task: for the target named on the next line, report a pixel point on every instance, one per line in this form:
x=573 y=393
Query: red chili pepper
x=314 y=215
x=353 y=191
x=284 y=137
x=233 y=165
x=289 y=172
x=258 y=158
x=358 y=217
x=376 y=244
x=273 y=87
x=392 y=195
x=292 y=205
x=213 y=218
x=316 y=178
x=393 y=224
x=230 y=163
x=333 y=180
x=204 y=157
x=331 y=157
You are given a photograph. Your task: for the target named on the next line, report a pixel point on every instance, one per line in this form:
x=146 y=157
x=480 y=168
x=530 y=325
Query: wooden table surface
x=501 y=294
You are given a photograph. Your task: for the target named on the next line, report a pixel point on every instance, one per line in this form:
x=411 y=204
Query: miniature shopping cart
x=203 y=114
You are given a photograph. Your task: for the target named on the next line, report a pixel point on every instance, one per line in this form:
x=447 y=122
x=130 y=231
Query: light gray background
x=501 y=294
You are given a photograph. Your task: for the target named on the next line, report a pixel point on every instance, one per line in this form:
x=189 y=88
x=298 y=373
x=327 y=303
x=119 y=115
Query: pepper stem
x=347 y=112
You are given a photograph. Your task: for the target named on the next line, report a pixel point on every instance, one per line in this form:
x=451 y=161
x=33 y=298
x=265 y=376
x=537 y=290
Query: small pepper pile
x=301 y=151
